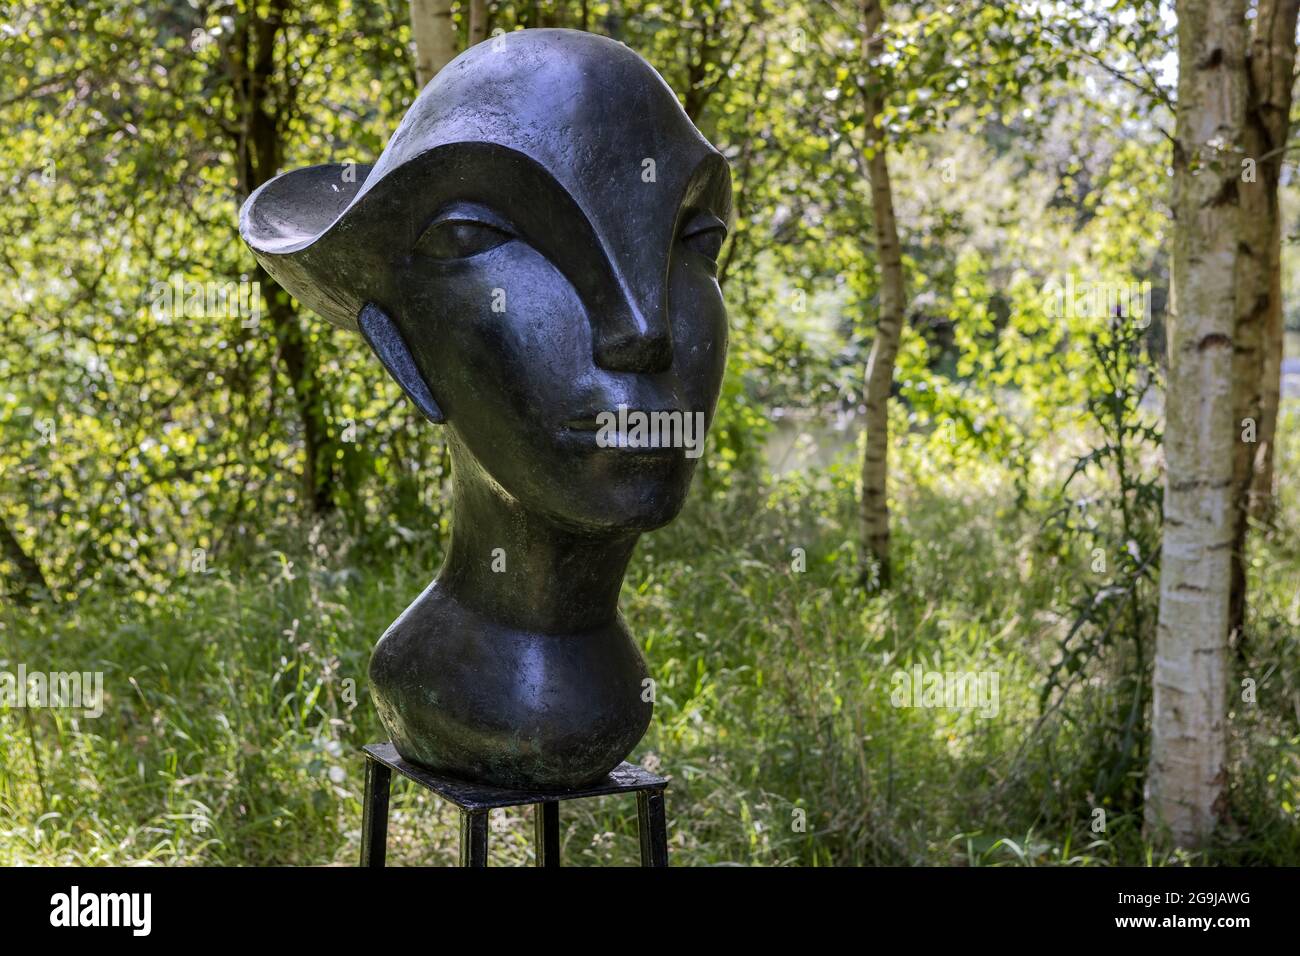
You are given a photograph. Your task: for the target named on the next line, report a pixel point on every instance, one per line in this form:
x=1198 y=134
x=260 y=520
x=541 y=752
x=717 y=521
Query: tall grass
x=236 y=701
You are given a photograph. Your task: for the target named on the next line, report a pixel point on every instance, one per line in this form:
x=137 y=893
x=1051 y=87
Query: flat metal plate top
x=625 y=778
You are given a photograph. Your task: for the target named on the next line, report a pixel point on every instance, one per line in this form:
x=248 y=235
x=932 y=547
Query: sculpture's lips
x=600 y=432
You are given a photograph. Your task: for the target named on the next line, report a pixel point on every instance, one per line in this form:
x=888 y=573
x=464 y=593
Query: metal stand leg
x=473 y=837
x=653 y=827
x=374 y=814
x=546 y=825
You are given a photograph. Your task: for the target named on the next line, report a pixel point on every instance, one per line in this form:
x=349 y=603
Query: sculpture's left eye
x=462 y=232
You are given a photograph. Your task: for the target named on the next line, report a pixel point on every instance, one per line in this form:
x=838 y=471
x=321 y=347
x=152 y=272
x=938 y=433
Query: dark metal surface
x=653 y=819
x=535 y=246
x=474 y=802
x=473 y=837
x=626 y=778
x=546 y=830
x=374 y=814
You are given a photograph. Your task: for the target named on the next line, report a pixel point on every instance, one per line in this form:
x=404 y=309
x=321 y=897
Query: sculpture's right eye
x=462 y=232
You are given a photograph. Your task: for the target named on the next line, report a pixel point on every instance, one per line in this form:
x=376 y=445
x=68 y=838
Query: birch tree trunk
x=434 y=33
x=1269 y=74
x=893 y=303
x=1272 y=75
x=478 y=22
x=1186 y=780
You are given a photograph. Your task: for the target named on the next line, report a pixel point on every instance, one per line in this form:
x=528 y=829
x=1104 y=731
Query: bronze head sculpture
x=534 y=250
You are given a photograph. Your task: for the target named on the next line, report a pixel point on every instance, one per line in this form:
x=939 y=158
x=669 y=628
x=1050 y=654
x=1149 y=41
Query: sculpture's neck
x=520 y=570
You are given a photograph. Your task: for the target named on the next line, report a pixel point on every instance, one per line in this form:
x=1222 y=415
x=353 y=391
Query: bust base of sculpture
x=469 y=697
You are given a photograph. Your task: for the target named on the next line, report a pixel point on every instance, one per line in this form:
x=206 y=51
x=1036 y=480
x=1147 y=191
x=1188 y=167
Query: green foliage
x=132 y=434
x=229 y=736
x=1115 y=609
x=156 y=519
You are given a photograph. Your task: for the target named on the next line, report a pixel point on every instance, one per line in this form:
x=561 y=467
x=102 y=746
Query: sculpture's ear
x=381 y=334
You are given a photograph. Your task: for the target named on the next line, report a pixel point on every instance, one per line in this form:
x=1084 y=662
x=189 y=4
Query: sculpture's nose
x=635 y=336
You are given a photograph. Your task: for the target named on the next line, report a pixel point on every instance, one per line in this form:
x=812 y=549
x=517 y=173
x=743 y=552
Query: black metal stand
x=475 y=801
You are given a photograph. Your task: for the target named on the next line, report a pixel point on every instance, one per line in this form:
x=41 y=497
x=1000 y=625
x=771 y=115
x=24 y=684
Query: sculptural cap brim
x=291 y=224
x=575 y=105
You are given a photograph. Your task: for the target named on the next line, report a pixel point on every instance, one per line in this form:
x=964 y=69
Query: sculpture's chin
x=632 y=505
x=645 y=516
x=504 y=707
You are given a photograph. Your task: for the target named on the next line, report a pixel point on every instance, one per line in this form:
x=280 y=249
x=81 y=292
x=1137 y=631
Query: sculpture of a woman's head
x=533 y=254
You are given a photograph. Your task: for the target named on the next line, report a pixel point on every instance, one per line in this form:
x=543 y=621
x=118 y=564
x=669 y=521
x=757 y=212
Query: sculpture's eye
x=461 y=232
x=705 y=234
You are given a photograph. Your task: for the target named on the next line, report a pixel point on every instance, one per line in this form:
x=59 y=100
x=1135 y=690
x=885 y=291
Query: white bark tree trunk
x=434 y=33
x=1186 y=780
x=893 y=304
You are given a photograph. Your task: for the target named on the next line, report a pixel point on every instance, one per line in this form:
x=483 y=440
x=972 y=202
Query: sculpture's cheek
x=500 y=336
x=700 y=335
